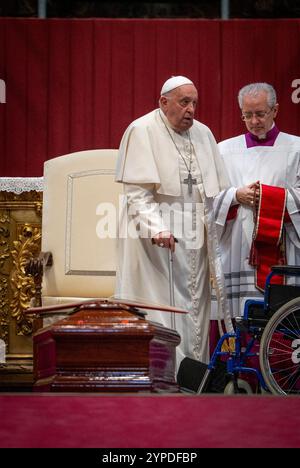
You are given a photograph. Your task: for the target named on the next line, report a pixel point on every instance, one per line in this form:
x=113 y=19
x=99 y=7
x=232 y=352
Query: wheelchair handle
x=286 y=270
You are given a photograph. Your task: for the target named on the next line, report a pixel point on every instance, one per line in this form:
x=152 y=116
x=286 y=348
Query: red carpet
x=153 y=421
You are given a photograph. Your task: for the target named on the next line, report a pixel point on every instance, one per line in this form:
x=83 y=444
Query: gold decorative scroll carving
x=23 y=287
x=4 y=256
x=20 y=238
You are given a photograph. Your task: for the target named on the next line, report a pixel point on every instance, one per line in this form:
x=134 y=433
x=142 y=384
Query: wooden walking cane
x=171 y=283
x=171 y=287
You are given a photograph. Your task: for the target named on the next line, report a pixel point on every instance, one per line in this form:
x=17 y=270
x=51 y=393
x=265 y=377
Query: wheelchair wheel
x=279 y=353
x=243 y=387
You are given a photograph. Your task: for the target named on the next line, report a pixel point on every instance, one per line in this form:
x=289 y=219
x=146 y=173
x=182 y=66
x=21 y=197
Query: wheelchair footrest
x=191 y=373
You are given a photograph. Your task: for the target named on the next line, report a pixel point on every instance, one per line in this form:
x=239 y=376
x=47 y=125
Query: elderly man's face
x=179 y=107
x=257 y=114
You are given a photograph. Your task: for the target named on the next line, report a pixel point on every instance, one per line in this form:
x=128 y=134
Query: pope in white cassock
x=171 y=169
x=264 y=170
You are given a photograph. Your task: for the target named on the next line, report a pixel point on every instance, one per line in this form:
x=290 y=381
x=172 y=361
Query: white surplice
x=277 y=165
x=154 y=185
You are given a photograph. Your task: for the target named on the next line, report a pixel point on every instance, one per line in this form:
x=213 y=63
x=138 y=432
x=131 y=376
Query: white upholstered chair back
x=80 y=210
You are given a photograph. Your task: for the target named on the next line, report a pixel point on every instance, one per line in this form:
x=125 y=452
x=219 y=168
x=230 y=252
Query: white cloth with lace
x=19 y=185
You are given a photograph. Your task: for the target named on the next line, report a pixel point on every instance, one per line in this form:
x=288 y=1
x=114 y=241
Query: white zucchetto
x=174 y=82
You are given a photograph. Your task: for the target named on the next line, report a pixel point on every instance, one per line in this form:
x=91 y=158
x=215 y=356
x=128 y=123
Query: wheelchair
x=269 y=329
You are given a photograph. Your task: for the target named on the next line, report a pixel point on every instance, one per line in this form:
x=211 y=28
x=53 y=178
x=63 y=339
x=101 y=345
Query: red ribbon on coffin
x=268 y=244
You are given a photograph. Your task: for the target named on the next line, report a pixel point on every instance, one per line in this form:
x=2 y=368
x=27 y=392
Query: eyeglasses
x=259 y=114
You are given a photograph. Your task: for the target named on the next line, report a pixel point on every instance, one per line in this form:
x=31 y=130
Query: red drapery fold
x=76 y=84
x=268 y=244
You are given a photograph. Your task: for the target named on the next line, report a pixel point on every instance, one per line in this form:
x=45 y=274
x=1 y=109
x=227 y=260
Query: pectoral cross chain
x=190 y=182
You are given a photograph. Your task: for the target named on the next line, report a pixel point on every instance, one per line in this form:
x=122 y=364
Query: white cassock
x=157 y=199
x=277 y=165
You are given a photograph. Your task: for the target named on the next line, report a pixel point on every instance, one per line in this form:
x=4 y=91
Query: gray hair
x=255 y=88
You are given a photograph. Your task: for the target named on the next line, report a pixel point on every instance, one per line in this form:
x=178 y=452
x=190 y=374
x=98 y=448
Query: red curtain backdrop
x=76 y=84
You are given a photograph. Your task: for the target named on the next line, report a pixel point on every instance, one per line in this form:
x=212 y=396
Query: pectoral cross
x=190 y=182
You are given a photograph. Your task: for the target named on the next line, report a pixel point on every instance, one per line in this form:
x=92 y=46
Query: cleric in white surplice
x=171 y=169
x=267 y=160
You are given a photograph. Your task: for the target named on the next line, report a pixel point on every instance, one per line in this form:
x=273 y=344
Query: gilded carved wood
x=20 y=239
x=4 y=273
x=23 y=287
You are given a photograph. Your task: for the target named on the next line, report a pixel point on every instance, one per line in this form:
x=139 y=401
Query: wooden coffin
x=105 y=348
